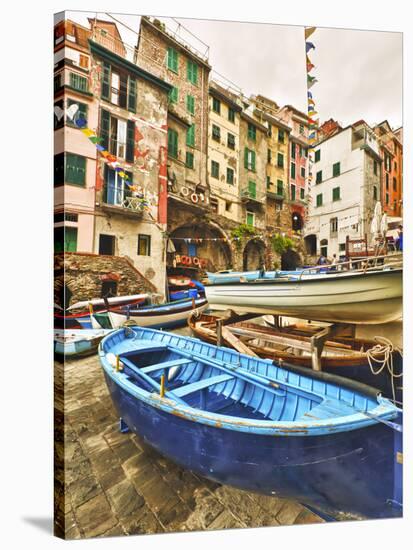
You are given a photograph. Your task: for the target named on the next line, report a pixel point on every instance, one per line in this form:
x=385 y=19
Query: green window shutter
x=190 y=136
x=75 y=169
x=317 y=155
x=132 y=95
x=105 y=92
x=130 y=141
x=70 y=239
x=302 y=193
x=292 y=150
x=192 y=72
x=252 y=189
x=281 y=136
x=246 y=157
x=172 y=60
x=216 y=105
x=280 y=160
x=231 y=115
x=172 y=143
x=78 y=82
x=336 y=193
x=214 y=169
x=230 y=175
x=319 y=200
x=250 y=219
x=104 y=128
x=190 y=104
x=280 y=188
x=173 y=95
x=253 y=160
x=319 y=177
x=252 y=132
x=336 y=169
x=293 y=192
x=189 y=160
x=293 y=170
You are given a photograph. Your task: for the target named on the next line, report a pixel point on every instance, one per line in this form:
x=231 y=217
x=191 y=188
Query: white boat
x=361 y=297
x=113 y=301
x=167 y=315
x=77 y=342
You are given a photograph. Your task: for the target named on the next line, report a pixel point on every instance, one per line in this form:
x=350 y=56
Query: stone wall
x=83 y=275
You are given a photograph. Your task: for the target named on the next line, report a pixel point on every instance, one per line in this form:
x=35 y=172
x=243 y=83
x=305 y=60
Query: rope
x=382 y=354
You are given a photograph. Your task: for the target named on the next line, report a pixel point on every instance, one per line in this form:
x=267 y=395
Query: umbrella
x=383 y=224
x=170 y=247
x=374 y=227
x=377 y=210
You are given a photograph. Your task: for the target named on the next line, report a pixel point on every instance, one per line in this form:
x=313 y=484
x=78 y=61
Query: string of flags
x=313 y=123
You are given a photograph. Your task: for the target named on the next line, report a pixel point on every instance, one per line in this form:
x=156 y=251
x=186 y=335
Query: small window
x=216 y=132
x=57 y=82
x=280 y=160
x=230 y=176
x=172 y=143
x=281 y=136
x=319 y=177
x=83 y=61
x=144 y=245
x=302 y=172
x=252 y=132
x=70 y=239
x=190 y=136
x=214 y=169
x=375 y=194
x=78 y=82
x=252 y=189
x=302 y=193
x=269 y=182
x=336 y=193
x=249 y=159
x=231 y=141
x=228 y=206
x=75 y=169
x=192 y=72
x=395 y=166
x=375 y=167
x=189 y=162
x=319 y=200
x=216 y=105
x=342 y=247
x=387 y=199
x=317 y=155
x=269 y=131
x=336 y=169
x=231 y=115
x=280 y=188
x=190 y=104
x=106 y=245
x=269 y=156
x=250 y=218
x=292 y=192
x=173 y=95
x=172 y=60
x=333 y=225
x=293 y=170
x=293 y=149
x=394 y=184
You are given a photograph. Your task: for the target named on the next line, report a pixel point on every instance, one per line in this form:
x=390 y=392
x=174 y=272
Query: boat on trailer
x=327 y=442
x=171 y=314
x=342 y=355
x=365 y=296
x=77 y=342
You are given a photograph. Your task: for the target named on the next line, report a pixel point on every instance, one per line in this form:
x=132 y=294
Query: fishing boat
x=327 y=442
x=230 y=276
x=366 y=296
x=355 y=358
x=71 y=343
x=171 y=314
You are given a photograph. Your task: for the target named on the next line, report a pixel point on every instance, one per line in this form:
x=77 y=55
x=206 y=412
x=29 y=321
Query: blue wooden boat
x=77 y=342
x=229 y=276
x=327 y=442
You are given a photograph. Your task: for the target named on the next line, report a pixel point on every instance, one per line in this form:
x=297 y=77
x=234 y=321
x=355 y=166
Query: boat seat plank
x=201 y=384
x=165 y=365
x=329 y=409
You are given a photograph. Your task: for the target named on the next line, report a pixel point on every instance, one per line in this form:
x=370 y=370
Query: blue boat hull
x=345 y=475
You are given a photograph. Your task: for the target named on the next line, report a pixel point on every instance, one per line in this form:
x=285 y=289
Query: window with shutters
x=75 y=169
x=269 y=182
x=249 y=159
x=78 y=82
x=172 y=60
x=293 y=148
x=132 y=95
x=230 y=176
x=375 y=194
x=387 y=199
x=292 y=192
x=70 y=239
x=57 y=82
x=144 y=245
x=302 y=172
x=214 y=169
x=387 y=182
x=280 y=160
x=192 y=72
x=302 y=193
x=216 y=132
x=319 y=177
x=130 y=141
x=231 y=115
x=336 y=169
x=123 y=90
x=216 y=105
x=81 y=112
x=105 y=91
x=269 y=156
x=336 y=194
x=59 y=170
x=190 y=136
x=231 y=141
x=394 y=184
x=190 y=104
x=189 y=162
x=115 y=189
x=375 y=165
x=319 y=200
x=252 y=132
x=114 y=87
x=252 y=189
x=172 y=143
x=317 y=155
x=84 y=61
x=281 y=136
x=269 y=131
x=293 y=170
x=250 y=219
x=280 y=188
x=173 y=95
x=333 y=225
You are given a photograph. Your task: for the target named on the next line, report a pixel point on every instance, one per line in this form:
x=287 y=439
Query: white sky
x=359 y=72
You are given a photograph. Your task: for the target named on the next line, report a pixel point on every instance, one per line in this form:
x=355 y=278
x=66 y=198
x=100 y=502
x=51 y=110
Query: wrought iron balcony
x=252 y=195
x=122 y=200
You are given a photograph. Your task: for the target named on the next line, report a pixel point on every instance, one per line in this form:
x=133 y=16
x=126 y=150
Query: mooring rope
x=382 y=354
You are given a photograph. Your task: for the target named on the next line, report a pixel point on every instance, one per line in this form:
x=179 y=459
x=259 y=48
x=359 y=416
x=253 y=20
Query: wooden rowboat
x=329 y=443
x=344 y=356
x=77 y=342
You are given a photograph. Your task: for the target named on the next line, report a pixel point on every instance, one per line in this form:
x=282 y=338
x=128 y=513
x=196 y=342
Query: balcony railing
x=118 y=197
x=249 y=195
x=276 y=194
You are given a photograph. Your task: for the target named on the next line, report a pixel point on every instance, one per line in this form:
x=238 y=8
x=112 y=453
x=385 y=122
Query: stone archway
x=296 y=221
x=310 y=242
x=203 y=240
x=290 y=260
x=254 y=255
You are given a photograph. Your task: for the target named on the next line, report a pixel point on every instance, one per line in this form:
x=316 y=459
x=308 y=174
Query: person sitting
x=322 y=260
x=333 y=263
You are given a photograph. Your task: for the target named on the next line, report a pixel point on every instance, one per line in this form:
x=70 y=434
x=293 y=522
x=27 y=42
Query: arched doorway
x=253 y=255
x=203 y=241
x=310 y=242
x=290 y=260
x=296 y=221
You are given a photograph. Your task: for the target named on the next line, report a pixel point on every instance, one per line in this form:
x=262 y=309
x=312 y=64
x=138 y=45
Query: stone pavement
x=113 y=484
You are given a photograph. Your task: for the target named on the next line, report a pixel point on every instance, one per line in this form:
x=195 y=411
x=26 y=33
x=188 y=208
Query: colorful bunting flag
x=309 y=31
x=309 y=46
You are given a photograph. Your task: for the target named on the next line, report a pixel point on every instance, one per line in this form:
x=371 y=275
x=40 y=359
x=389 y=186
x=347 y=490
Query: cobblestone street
x=114 y=484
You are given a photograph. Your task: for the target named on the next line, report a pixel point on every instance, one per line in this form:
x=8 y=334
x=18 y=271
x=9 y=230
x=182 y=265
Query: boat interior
x=217 y=387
